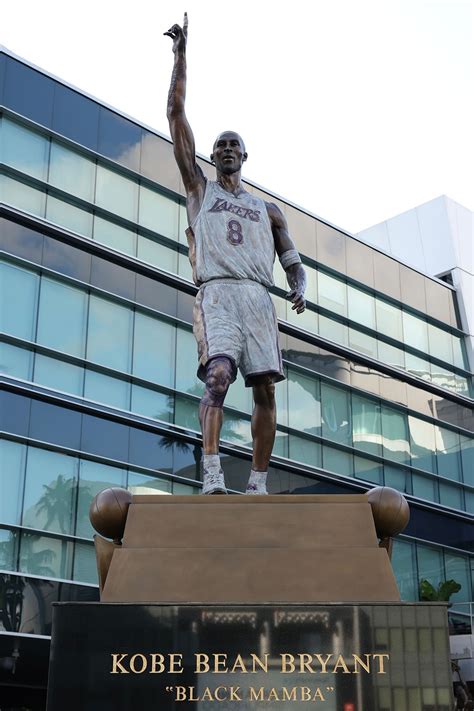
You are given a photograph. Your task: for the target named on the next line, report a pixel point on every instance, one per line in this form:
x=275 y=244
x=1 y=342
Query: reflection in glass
x=62 y=317
x=186 y=377
x=333 y=330
x=110 y=333
x=19 y=293
x=119 y=138
x=69 y=216
x=15 y=362
x=361 y=307
x=430 y=564
x=151 y=403
x=450 y=496
x=305 y=451
x=336 y=419
x=94 y=477
x=154 y=349
x=389 y=319
x=366 y=425
x=59 y=375
x=448 y=453
x=116 y=193
x=12 y=471
x=158 y=213
x=8 y=549
x=424 y=487
x=304 y=409
x=395 y=435
x=85 y=564
x=24 y=149
x=106 y=389
x=143 y=484
x=22 y=196
x=404 y=567
x=45 y=556
x=423 y=447
x=457 y=568
x=334 y=460
x=332 y=294
x=368 y=470
x=157 y=254
x=415 y=332
x=71 y=171
x=115 y=236
x=50 y=491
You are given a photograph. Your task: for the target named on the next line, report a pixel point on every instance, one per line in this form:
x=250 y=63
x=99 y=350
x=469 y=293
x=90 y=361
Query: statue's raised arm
x=181 y=133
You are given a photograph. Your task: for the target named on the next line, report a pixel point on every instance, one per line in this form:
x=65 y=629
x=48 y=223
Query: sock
x=211 y=461
x=258 y=478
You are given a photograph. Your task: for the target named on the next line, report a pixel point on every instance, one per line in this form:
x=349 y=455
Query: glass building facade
x=97 y=358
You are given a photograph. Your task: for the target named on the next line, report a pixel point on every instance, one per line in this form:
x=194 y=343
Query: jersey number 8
x=234 y=232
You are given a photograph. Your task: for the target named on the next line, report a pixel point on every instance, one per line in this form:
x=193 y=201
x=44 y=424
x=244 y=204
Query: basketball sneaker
x=212 y=475
x=257 y=483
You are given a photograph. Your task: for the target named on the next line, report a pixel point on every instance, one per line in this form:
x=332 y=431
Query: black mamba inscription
x=222 y=205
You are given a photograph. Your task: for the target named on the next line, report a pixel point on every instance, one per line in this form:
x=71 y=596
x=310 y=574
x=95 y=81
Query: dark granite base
x=380 y=657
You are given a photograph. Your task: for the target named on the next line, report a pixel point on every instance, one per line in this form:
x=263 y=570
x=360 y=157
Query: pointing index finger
x=185 y=24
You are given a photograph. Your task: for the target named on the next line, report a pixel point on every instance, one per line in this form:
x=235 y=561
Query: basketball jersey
x=231 y=238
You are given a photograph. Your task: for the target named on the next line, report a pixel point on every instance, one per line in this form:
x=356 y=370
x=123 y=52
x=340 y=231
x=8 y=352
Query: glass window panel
x=440 y=343
x=332 y=294
x=8 y=549
x=308 y=320
x=66 y=259
x=154 y=349
x=430 y=564
x=362 y=342
x=240 y=397
x=106 y=389
x=399 y=479
x=462 y=386
x=469 y=497
x=72 y=172
x=143 y=484
x=23 y=196
x=423 y=447
x=119 y=138
x=113 y=278
x=69 y=216
x=415 y=332
x=75 y=116
x=389 y=319
x=183 y=223
x=304 y=408
x=151 y=403
x=280 y=306
x=184 y=267
x=110 y=333
x=114 y=236
x=45 y=556
x=305 y=451
x=24 y=149
x=158 y=213
x=187 y=460
x=15 y=362
x=395 y=435
x=157 y=254
x=361 y=307
x=57 y=374
x=467 y=458
x=280 y=446
x=50 y=491
x=186 y=414
x=457 y=568
x=116 y=193
x=184 y=489
x=94 y=477
x=424 y=487
x=237 y=429
x=85 y=564
x=368 y=470
x=19 y=293
x=311 y=284
x=366 y=425
x=336 y=420
x=333 y=330
x=12 y=471
x=448 y=454
x=29 y=92
x=336 y=461
x=459 y=357
x=62 y=317
x=186 y=364
x=450 y=496
x=105 y=437
x=417 y=366
x=443 y=377
x=404 y=567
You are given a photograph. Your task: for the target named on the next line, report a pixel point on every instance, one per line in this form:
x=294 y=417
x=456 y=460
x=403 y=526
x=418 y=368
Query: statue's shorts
x=236 y=318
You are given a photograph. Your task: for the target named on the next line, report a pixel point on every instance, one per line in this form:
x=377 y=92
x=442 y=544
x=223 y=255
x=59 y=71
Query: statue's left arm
x=289 y=257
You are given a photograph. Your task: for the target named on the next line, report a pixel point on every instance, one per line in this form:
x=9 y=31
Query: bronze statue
x=232 y=237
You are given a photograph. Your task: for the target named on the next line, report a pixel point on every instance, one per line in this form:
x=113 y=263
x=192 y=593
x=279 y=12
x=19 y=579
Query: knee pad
x=220 y=373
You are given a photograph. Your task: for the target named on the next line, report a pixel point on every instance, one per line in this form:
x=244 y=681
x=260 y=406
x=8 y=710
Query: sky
x=356 y=110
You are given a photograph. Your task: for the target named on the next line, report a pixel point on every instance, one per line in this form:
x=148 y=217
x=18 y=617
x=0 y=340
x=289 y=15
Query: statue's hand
x=179 y=35
x=298 y=300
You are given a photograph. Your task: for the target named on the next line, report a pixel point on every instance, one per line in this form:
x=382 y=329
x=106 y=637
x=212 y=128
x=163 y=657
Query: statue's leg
x=220 y=373
x=263 y=432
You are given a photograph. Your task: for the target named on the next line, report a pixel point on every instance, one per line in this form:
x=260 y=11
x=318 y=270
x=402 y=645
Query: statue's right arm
x=181 y=133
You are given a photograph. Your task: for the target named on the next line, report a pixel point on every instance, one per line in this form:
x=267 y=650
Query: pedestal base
x=340 y=657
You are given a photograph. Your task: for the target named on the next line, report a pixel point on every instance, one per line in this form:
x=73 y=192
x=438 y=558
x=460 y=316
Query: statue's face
x=229 y=152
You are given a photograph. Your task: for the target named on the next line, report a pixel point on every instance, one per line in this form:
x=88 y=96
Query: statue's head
x=228 y=152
